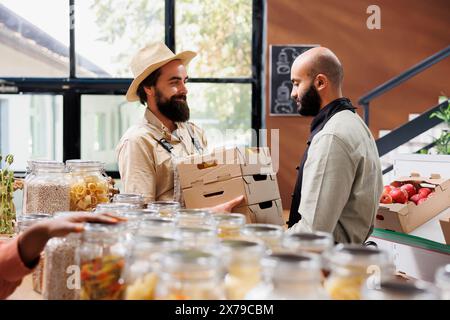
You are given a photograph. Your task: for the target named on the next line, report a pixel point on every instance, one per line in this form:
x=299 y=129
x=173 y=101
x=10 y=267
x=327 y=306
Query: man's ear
x=321 y=81
x=149 y=91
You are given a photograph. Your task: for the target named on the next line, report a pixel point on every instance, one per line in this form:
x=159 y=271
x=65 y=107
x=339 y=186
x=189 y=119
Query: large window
x=64 y=71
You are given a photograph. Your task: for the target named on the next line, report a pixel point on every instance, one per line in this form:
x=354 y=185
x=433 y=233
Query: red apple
x=410 y=189
x=415 y=198
x=387 y=189
x=396 y=184
x=399 y=196
x=385 y=198
x=421 y=200
x=424 y=191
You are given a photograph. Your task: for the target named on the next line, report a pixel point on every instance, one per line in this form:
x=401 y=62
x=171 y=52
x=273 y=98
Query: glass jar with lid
x=23 y=223
x=190 y=274
x=29 y=175
x=46 y=188
x=394 y=289
x=193 y=218
x=89 y=184
x=243 y=266
x=351 y=266
x=229 y=225
x=165 y=208
x=442 y=280
x=132 y=198
x=313 y=242
x=101 y=258
x=270 y=234
x=201 y=238
x=140 y=273
x=134 y=219
x=60 y=267
x=157 y=226
x=289 y=276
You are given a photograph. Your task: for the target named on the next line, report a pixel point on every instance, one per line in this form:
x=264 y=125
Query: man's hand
x=33 y=240
x=227 y=206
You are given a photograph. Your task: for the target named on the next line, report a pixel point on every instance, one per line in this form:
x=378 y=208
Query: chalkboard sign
x=281 y=59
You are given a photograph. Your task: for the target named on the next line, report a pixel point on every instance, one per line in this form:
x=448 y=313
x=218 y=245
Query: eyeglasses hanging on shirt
x=168 y=147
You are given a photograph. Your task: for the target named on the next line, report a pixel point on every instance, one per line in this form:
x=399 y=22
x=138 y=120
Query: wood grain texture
x=411 y=31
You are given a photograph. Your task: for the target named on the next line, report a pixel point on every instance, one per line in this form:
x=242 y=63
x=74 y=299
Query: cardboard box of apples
x=409 y=202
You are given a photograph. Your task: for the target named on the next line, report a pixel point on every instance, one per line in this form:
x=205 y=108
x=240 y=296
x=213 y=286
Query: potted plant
x=7 y=208
x=442 y=144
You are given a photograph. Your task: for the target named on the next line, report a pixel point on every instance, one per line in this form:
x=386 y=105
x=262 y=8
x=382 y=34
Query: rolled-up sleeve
x=12 y=268
x=328 y=176
x=137 y=167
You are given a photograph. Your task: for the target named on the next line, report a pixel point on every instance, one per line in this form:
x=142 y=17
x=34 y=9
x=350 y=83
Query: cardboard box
x=265 y=212
x=407 y=217
x=223 y=164
x=255 y=188
x=445 y=226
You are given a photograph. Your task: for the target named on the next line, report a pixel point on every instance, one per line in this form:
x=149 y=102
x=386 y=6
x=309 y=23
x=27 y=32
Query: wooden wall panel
x=411 y=30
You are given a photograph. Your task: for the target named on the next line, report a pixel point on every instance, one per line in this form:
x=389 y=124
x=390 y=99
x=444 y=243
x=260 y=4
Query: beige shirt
x=145 y=166
x=342 y=181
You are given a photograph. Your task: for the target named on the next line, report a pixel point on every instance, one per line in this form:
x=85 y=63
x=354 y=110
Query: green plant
x=442 y=144
x=7 y=209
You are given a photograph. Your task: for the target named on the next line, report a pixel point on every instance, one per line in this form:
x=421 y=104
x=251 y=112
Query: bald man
x=339 y=180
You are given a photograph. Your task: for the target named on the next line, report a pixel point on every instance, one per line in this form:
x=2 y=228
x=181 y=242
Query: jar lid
x=157 y=221
x=155 y=240
x=308 y=241
x=104 y=228
x=393 y=289
x=128 y=198
x=34 y=163
x=292 y=266
x=69 y=213
x=260 y=229
x=357 y=256
x=33 y=217
x=196 y=231
x=27 y=220
x=229 y=218
x=183 y=260
x=292 y=260
x=242 y=247
x=193 y=217
x=47 y=166
x=115 y=207
x=162 y=204
x=84 y=164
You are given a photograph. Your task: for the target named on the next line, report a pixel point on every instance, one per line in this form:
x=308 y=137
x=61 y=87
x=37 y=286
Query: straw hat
x=149 y=59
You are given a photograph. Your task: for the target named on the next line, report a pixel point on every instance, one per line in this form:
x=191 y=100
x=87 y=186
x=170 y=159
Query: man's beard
x=175 y=108
x=309 y=104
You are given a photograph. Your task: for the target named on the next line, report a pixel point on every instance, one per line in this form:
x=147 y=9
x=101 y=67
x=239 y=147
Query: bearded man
x=339 y=181
x=147 y=151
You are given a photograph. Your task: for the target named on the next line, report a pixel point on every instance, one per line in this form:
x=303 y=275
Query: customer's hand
x=33 y=240
x=228 y=206
x=59 y=227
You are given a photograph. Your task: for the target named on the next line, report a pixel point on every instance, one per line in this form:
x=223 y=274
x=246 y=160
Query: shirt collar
x=326 y=112
x=153 y=120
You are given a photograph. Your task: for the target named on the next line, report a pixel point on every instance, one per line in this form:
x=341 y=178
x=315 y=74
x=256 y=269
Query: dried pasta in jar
x=89 y=185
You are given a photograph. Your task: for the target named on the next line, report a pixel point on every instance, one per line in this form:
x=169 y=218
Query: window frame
x=73 y=87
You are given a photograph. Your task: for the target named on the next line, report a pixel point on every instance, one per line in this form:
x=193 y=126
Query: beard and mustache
x=175 y=108
x=309 y=103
